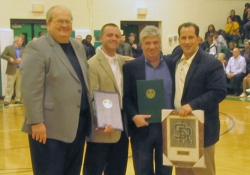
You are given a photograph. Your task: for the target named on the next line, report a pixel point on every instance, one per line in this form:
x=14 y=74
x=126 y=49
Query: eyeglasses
x=60 y=22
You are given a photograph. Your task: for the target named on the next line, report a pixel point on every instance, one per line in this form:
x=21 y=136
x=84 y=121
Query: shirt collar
x=189 y=61
x=109 y=58
x=147 y=62
x=17 y=47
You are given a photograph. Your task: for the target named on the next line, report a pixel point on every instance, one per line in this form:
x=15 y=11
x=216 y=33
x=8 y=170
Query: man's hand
x=134 y=46
x=107 y=129
x=128 y=58
x=12 y=60
x=185 y=110
x=230 y=75
x=140 y=120
x=18 y=60
x=39 y=132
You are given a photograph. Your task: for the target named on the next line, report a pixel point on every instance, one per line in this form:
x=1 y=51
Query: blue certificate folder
x=151 y=99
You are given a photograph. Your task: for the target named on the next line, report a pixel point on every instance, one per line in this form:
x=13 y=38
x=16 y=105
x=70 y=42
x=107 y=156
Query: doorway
x=136 y=27
x=28 y=27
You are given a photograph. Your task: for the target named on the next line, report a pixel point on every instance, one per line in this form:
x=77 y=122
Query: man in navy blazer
x=146 y=138
x=200 y=84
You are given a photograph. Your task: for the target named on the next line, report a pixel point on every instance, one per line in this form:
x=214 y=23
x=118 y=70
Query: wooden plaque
x=183 y=139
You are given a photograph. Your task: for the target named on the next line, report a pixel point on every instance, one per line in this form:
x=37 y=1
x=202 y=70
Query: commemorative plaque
x=183 y=139
x=151 y=99
x=108 y=111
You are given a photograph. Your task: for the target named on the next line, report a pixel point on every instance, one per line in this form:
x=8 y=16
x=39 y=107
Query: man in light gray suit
x=13 y=54
x=55 y=96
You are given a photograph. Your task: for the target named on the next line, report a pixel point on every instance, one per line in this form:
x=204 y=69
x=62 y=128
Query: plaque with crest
x=183 y=139
x=108 y=111
x=151 y=99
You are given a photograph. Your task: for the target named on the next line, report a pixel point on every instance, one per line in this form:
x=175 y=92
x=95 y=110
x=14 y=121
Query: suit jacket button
x=78 y=106
x=79 y=91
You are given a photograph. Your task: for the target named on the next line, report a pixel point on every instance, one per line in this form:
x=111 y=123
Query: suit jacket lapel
x=140 y=72
x=61 y=55
x=120 y=62
x=192 y=69
x=13 y=50
x=105 y=65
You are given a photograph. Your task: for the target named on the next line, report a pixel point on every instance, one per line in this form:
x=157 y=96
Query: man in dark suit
x=13 y=55
x=55 y=96
x=200 y=83
x=146 y=138
x=136 y=48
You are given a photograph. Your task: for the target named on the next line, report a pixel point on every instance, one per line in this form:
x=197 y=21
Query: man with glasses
x=55 y=96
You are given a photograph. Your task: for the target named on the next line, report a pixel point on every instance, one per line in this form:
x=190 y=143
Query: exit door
x=30 y=28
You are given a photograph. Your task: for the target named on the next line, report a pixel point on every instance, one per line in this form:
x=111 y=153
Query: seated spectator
x=79 y=38
x=246 y=81
x=236 y=18
x=235 y=70
x=204 y=44
x=221 y=58
x=136 y=48
x=245 y=12
x=229 y=53
x=246 y=26
x=201 y=41
x=232 y=30
x=210 y=31
x=246 y=51
x=219 y=41
x=89 y=48
x=211 y=50
x=124 y=48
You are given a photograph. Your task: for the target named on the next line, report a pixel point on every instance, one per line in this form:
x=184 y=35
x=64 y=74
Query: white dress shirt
x=182 y=67
x=117 y=73
x=236 y=65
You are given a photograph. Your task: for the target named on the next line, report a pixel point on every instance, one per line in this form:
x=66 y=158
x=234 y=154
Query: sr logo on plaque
x=183 y=139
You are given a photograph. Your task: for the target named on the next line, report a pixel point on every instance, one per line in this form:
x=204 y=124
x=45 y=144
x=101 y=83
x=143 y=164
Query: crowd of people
x=224 y=44
x=57 y=92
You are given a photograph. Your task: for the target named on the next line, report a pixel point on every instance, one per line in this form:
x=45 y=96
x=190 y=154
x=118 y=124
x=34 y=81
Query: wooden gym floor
x=232 y=151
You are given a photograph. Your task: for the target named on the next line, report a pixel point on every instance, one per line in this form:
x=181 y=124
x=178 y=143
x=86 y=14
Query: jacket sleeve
x=129 y=102
x=215 y=87
x=5 y=54
x=32 y=84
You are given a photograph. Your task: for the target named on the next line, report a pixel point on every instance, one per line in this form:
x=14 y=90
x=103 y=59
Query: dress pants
x=11 y=79
x=59 y=158
x=236 y=82
x=147 y=151
x=110 y=158
x=209 y=162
